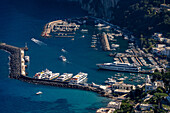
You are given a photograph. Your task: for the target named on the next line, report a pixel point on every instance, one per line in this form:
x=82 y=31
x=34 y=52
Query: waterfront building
x=152 y=86
x=122 y=87
x=114 y=104
x=105 y=110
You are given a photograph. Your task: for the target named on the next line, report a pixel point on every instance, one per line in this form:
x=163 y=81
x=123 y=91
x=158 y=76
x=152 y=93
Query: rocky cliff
x=99 y=8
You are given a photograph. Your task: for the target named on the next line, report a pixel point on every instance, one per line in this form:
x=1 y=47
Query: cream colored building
x=152 y=86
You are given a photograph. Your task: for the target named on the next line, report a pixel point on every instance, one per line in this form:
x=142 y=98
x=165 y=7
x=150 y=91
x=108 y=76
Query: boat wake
x=38 y=41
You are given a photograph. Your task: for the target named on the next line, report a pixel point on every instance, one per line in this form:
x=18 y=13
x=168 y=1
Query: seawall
x=16 y=73
x=15 y=60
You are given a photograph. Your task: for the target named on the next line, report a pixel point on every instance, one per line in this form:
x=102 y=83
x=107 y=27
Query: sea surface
x=22 y=20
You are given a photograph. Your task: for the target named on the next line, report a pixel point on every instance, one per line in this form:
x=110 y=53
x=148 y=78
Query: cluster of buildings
x=111 y=107
x=163 y=48
x=152 y=86
x=162 y=6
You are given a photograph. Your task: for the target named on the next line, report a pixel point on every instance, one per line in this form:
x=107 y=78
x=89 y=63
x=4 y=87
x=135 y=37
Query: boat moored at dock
x=119 y=67
x=46 y=75
x=110 y=81
x=79 y=78
x=64 y=77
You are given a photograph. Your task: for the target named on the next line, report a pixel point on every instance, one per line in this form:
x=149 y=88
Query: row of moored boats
x=48 y=75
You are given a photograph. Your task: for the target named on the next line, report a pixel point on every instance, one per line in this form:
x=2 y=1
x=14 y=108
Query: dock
x=59 y=26
x=121 y=60
x=135 y=61
x=17 y=71
x=15 y=60
x=125 y=60
x=139 y=61
x=105 y=42
x=152 y=61
x=143 y=61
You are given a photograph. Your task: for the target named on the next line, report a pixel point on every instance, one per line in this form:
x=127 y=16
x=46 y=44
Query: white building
x=114 y=104
x=145 y=107
x=123 y=86
x=105 y=110
x=152 y=86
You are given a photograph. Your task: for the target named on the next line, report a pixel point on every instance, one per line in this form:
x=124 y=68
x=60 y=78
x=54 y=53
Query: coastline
x=15 y=73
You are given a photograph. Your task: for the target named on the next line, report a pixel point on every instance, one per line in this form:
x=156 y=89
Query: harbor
x=60 y=29
x=18 y=72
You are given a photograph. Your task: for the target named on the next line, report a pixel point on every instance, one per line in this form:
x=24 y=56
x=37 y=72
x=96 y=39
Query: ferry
x=115 y=66
x=79 y=78
x=46 y=75
x=64 y=77
x=63 y=58
x=34 y=40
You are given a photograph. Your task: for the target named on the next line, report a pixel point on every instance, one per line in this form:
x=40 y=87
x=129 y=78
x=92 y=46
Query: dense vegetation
x=162 y=76
x=142 y=16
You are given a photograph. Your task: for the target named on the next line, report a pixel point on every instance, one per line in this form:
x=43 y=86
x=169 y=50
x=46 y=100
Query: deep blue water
x=22 y=20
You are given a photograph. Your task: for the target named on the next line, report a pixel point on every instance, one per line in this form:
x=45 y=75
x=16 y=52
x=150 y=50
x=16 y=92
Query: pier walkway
x=139 y=61
x=105 y=42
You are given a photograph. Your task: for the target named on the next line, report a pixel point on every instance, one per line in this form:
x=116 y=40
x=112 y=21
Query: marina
x=67 y=80
x=117 y=83
x=60 y=28
x=105 y=42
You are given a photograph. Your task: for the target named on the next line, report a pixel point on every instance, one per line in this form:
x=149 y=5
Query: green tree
x=159 y=97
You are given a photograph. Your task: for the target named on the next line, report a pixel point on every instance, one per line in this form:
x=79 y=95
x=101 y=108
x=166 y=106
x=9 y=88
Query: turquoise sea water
x=22 y=20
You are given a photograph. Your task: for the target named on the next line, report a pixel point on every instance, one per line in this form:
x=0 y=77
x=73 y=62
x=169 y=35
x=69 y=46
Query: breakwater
x=16 y=70
x=15 y=60
x=105 y=42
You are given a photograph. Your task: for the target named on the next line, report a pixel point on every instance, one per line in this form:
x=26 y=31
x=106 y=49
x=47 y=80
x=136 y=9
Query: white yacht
x=63 y=58
x=46 y=74
x=39 y=93
x=110 y=81
x=79 y=78
x=27 y=58
x=119 y=67
x=64 y=77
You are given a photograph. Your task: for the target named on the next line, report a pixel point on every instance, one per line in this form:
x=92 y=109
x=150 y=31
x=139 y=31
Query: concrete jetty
x=59 y=26
x=15 y=60
x=105 y=42
x=17 y=71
